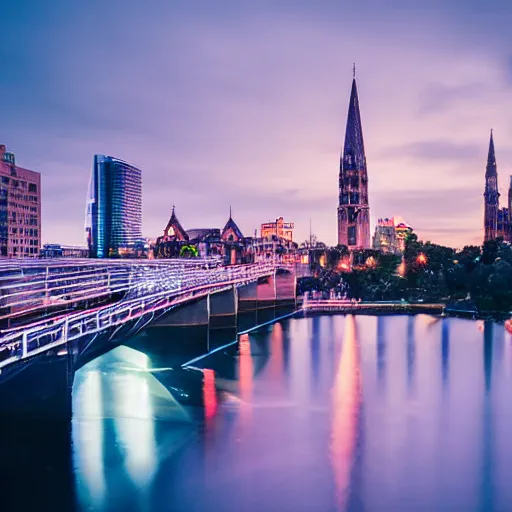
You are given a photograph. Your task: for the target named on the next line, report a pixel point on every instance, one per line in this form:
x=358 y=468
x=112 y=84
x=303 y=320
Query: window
x=351 y=235
x=32 y=187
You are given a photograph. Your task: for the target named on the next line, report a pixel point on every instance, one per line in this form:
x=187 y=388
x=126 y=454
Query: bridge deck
x=148 y=288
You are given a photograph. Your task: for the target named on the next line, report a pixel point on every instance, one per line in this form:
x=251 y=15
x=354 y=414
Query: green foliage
x=189 y=251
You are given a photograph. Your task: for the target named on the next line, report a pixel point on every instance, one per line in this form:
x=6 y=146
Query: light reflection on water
x=326 y=413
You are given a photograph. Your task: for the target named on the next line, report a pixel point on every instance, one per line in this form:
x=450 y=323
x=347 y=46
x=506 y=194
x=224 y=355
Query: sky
x=244 y=104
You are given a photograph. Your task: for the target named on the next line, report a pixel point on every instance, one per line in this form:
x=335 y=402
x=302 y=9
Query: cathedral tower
x=491 y=195
x=353 y=209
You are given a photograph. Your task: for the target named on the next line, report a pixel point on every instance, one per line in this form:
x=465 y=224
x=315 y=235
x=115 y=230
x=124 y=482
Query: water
x=328 y=413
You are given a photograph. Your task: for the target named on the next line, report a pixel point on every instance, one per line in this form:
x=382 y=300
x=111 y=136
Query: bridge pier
x=223 y=319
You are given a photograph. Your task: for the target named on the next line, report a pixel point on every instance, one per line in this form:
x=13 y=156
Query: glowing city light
x=421 y=259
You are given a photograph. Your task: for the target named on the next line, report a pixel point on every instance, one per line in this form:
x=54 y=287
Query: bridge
x=69 y=306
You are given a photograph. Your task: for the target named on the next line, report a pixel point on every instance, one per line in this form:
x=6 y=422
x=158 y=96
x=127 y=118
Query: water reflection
x=115 y=449
x=411 y=352
x=288 y=412
x=445 y=352
x=381 y=350
x=346 y=412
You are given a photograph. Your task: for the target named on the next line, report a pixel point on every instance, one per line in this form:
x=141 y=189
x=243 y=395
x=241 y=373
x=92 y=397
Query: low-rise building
x=390 y=235
x=279 y=228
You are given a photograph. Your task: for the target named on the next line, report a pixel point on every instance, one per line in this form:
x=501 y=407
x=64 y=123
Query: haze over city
x=245 y=104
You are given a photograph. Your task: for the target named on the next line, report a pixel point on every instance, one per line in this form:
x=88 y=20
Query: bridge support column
x=223 y=312
x=183 y=329
x=247 y=306
x=286 y=288
x=266 y=299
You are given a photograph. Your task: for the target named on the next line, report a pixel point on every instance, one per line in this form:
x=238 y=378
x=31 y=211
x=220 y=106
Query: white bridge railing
x=149 y=288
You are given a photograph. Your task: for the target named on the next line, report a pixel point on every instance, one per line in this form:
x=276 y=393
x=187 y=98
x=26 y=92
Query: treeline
x=478 y=277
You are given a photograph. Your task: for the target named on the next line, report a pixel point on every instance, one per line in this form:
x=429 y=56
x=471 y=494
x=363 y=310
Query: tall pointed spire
x=491 y=194
x=491 y=157
x=353 y=149
x=353 y=210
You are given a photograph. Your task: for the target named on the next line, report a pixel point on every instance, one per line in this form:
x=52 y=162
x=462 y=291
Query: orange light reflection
x=209 y=395
x=346 y=412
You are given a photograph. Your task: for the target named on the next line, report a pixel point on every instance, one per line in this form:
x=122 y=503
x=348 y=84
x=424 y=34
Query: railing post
x=24 y=345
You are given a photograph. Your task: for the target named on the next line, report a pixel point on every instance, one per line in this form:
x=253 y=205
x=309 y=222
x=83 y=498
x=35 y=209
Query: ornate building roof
x=353 y=150
x=174 y=231
x=231 y=231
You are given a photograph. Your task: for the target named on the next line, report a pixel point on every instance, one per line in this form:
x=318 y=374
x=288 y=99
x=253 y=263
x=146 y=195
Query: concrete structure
x=279 y=228
x=353 y=209
x=497 y=221
x=114 y=209
x=20 y=209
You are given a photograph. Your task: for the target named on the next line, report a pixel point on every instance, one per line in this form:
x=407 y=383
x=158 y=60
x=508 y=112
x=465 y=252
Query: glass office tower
x=114 y=209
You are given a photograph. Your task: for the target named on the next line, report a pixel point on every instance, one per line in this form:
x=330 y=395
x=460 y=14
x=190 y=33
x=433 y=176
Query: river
x=328 y=413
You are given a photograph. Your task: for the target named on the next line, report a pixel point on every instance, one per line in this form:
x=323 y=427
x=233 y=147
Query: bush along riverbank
x=475 y=280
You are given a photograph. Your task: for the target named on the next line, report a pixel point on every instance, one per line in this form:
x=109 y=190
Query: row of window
x=23 y=197
x=21 y=241
x=27 y=232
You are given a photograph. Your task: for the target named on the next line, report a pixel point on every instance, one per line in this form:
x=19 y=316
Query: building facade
x=20 y=209
x=390 y=235
x=279 y=228
x=114 y=209
x=64 y=251
x=353 y=209
x=228 y=244
x=497 y=221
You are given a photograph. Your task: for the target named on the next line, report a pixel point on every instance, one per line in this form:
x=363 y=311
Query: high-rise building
x=497 y=221
x=353 y=209
x=114 y=209
x=20 y=209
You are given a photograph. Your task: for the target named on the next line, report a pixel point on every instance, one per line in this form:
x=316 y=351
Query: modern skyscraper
x=114 y=208
x=491 y=195
x=20 y=209
x=353 y=209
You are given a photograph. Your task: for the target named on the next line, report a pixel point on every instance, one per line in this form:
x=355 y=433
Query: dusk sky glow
x=245 y=103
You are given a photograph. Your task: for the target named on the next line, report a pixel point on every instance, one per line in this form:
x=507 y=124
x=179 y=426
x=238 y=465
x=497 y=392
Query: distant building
x=353 y=207
x=20 y=209
x=390 y=235
x=279 y=228
x=114 y=209
x=64 y=251
x=228 y=244
x=497 y=221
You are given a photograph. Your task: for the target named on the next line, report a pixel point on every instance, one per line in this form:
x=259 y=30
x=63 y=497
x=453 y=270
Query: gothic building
x=497 y=221
x=353 y=209
x=229 y=244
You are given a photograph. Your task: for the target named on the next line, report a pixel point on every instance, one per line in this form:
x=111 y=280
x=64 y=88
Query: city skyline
x=247 y=106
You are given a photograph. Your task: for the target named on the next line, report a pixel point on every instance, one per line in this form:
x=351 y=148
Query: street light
x=421 y=259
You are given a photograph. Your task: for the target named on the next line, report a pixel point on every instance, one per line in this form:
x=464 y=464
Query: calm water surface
x=318 y=414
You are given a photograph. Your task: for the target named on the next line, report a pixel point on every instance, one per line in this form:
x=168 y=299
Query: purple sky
x=246 y=104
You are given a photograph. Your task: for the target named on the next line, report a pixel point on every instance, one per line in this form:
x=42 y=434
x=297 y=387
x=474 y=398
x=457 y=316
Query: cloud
x=245 y=103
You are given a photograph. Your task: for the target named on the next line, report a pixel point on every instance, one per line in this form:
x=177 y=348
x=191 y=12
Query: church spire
x=491 y=157
x=353 y=149
x=353 y=210
x=491 y=194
